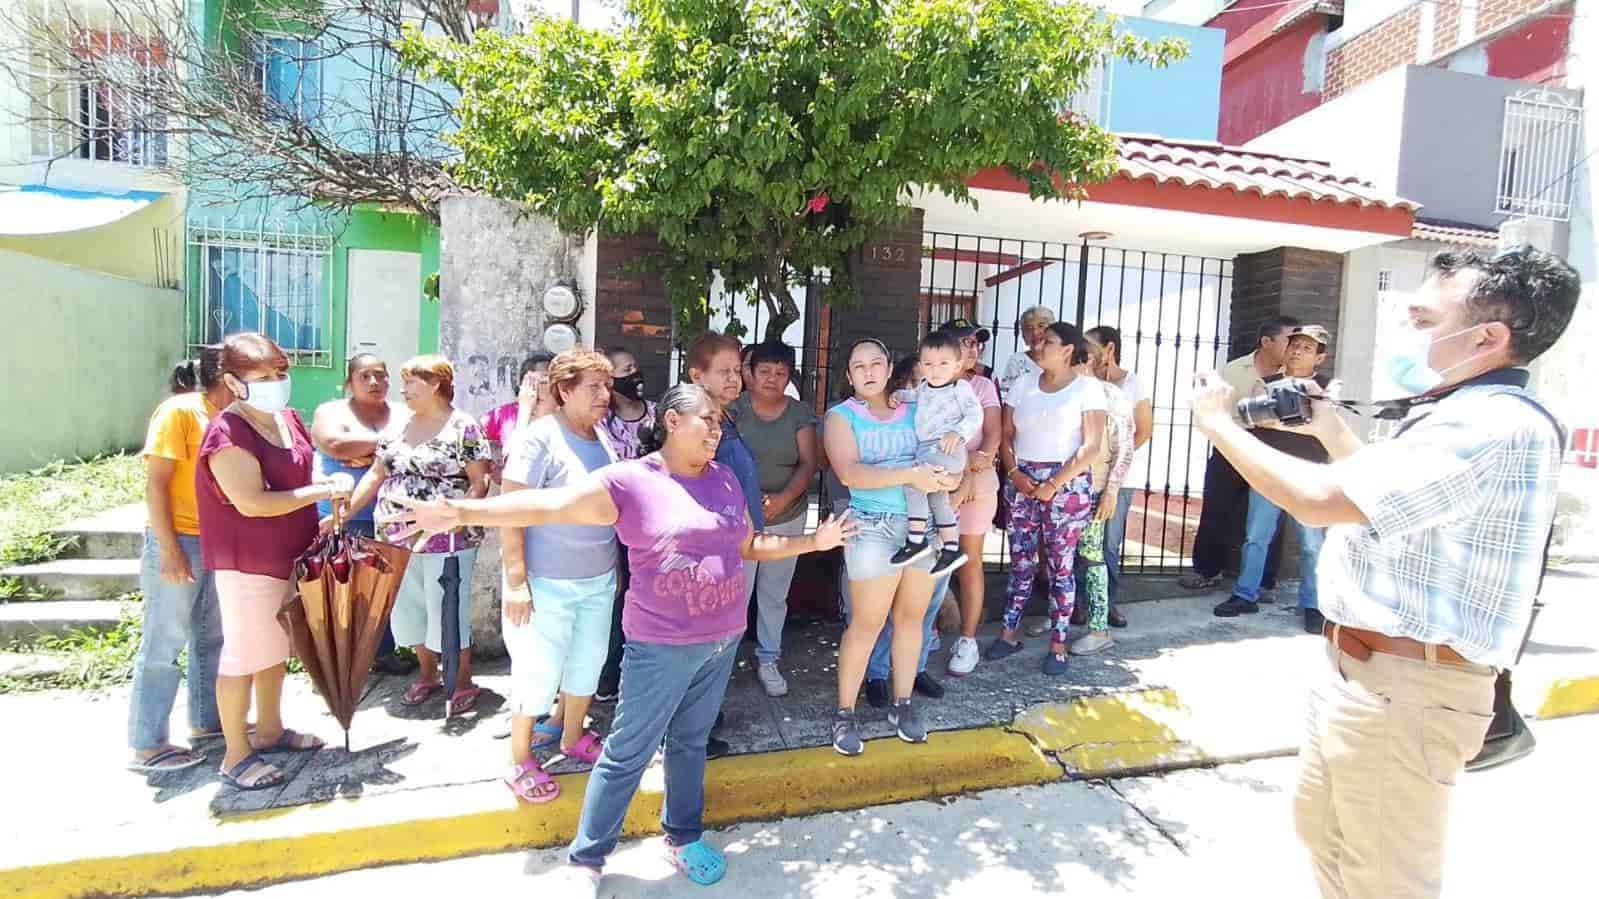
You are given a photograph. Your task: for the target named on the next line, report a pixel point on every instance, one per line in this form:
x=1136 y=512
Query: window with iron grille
x=289 y=70
x=274 y=282
x=1385 y=283
x=1538 y=153
x=101 y=110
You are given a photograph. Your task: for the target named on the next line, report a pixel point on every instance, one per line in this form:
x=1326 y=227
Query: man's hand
x=949 y=443
x=1211 y=403
x=175 y=565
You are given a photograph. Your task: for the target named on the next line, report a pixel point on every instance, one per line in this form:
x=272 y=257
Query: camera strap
x=1399 y=409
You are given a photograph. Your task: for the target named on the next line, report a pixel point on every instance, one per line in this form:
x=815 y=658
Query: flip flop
x=234 y=776
x=546 y=734
x=699 y=862
x=586 y=749
x=464 y=700
x=527 y=791
x=160 y=761
x=293 y=741
x=418 y=693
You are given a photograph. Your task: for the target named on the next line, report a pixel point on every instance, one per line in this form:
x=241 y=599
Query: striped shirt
x=1459 y=503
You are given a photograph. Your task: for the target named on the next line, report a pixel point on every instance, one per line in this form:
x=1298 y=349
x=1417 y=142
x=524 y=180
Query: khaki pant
x=1387 y=739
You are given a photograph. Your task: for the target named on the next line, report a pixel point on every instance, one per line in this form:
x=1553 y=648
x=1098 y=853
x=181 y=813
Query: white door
x=384 y=299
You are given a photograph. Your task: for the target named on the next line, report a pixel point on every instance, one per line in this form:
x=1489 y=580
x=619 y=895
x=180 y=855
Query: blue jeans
x=1115 y=533
x=878 y=666
x=175 y=616
x=673 y=692
x=1260 y=526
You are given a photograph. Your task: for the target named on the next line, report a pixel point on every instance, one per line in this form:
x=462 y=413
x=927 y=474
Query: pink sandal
x=529 y=780
x=418 y=693
x=586 y=749
x=464 y=700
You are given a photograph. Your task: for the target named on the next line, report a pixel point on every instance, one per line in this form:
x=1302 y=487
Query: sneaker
x=1315 y=622
x=1002 y=649
x=928 y=687
x=905 y=720
x=963 y=660
x=716 y=747
x=1193 y=580
x=771 y=679
x=576 y=881
x=949 y=559
x=846 y=733
x=1268 y=595
x=909 y=553
x=877 y=693
x=1055 y=664
x=1235 y=606
x=1087 y=646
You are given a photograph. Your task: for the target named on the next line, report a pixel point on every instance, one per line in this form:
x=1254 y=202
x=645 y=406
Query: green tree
x=765 y=139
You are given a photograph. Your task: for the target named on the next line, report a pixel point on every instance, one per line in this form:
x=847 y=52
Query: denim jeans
x=1115 y=534
x=878 y=666
x=770 y=581
x=1260 y=526
x=673 y=692
x=175 y=616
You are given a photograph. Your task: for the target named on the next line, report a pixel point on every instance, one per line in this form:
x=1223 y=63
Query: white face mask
x=1407 y=363
x=270 y=397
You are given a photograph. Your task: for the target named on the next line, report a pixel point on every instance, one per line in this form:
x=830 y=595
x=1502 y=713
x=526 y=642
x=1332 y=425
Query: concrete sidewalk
x=1180 y=688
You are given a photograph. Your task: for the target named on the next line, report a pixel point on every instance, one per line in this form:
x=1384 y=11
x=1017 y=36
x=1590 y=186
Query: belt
x=1362 y=643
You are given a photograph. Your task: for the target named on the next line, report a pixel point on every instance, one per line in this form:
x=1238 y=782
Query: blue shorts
x=563 y=646
x=881 y=534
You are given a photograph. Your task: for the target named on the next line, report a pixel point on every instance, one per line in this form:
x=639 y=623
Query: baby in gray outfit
x=948 y=416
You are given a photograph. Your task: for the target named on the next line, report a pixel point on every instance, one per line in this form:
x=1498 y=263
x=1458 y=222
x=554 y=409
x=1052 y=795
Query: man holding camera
x=1280 y=397
x=1435 y=543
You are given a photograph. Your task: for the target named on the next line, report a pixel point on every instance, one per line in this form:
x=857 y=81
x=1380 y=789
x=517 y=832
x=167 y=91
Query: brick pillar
x=1305 y=284
x=631 y=308
x=888 y=273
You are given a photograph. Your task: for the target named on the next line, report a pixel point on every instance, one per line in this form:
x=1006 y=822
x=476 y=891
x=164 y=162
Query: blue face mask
x=1407 y=364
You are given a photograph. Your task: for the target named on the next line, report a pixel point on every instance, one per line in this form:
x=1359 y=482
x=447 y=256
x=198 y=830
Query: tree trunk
x=781 y=309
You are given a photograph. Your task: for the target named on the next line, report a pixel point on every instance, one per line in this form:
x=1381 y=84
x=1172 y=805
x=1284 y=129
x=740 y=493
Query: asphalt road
x=1526 y=830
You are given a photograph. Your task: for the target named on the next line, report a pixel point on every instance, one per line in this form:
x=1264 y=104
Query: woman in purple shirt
x=683 y=518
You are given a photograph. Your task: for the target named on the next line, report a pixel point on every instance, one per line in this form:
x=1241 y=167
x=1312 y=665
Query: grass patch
x=94 y=659
x=33 y=503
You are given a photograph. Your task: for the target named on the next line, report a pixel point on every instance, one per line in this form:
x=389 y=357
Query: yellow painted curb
x=1116 y=733
x=1570 y=696
x=331 y=837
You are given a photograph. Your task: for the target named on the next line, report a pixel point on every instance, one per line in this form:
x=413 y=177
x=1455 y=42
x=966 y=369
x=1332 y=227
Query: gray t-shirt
x=775 y=445
x=547 y=454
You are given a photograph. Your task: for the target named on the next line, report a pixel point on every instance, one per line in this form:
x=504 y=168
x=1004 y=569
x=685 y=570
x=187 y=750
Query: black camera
x=1284 y=402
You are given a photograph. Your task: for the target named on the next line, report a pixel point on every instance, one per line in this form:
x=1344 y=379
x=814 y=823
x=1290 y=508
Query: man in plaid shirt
x=1431 y=563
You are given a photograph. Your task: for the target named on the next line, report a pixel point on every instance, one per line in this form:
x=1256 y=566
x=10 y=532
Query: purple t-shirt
x=683 y=537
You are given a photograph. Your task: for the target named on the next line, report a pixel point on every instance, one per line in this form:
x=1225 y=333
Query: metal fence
x=1172 y=310
x=269 y=278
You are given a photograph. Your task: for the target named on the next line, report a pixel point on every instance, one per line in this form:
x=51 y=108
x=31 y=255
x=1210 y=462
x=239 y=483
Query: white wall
x=1358 y=132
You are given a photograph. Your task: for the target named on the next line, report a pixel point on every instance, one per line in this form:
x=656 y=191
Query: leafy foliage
x=34 y=502
x=766 y=139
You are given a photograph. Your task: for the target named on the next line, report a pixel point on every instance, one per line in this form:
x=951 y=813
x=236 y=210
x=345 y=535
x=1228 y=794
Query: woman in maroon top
x=257 y=497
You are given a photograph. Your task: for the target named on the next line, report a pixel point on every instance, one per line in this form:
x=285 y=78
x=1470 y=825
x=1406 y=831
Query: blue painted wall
x=1180 y=101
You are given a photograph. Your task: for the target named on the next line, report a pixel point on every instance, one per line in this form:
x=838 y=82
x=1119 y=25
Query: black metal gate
x=1172 y=311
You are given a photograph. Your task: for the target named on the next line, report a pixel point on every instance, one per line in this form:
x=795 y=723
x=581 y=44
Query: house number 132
x=887 y=253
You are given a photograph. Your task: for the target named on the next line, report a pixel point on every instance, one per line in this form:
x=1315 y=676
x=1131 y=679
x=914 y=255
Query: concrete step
x=78 y=579
x=114 y=534
x=28 y=621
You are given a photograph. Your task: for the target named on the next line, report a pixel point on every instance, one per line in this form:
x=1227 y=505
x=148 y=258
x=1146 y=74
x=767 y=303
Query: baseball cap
x=965 y=327
x=1314 y=332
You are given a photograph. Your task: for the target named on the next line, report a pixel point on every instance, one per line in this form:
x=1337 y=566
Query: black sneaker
x=1315 y=622
x=949 y=559
x=1235 y=606
x=716 y=748
x=877 y=693
x=846 y=733
x=906 y=722
x=909 y=553
x=606 y=691
x=928 y=687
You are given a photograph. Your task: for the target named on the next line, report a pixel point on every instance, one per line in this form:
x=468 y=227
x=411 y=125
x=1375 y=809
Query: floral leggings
x=1052 y=530
x=1096 y=583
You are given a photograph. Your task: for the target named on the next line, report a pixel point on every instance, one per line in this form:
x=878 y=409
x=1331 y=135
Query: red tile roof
x=1220 y=167
x=1455 y=233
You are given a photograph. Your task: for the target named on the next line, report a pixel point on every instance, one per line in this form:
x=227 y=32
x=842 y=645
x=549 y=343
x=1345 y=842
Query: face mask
x=1408 y=367
x=270 y=397
x=631 y=386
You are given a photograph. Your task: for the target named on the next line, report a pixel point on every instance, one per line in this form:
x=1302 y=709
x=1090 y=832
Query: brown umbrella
x=347 y=587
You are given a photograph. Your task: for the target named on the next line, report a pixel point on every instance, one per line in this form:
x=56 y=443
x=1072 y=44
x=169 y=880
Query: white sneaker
x=1091 y=644
x=771 y=679
x=963 y=660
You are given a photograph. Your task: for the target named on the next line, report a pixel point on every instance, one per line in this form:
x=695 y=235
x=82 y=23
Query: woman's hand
x=932 y=479
x=339 y=486
x=964 y=493
x=175 y=567
x=1023 y=482
x=517 y=603
x=979 y=462
x=1107 y=504
x=1045 y=491
x=834 y=531
x=423 y=518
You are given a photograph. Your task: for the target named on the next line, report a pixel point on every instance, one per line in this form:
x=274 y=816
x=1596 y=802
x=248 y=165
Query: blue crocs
x=700 y=862
x=546 y=734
